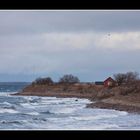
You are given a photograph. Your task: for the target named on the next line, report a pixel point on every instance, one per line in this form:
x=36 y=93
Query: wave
x=99 y=127
x=9 y=122
x=47 y=112
x=39 y=119
x=5 y=110
x=97 y=117
x=27 y=105
x=7 y=93
x=7 y=105
x=32 y=113
x=60 y=113
x=62 y=110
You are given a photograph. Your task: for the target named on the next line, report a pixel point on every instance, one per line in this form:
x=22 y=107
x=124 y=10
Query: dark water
x=12 y=86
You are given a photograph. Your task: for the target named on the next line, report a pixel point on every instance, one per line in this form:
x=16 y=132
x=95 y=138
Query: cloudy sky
x=89 y=44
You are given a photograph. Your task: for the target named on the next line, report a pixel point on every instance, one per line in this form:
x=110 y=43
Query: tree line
x=120 y=78
x=126 y=78
x=68 y=78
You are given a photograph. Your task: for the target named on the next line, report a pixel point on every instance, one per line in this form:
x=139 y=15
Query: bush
x=120 y=78
x=43 y=81
x=126 y=78
x=69 y=79
x=131 y=77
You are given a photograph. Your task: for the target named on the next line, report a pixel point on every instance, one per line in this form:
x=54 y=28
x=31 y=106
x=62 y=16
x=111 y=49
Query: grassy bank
x=124 y=98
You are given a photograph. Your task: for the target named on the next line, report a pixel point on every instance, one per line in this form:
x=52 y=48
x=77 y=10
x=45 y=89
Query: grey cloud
x=59 y=42
x=12 y=22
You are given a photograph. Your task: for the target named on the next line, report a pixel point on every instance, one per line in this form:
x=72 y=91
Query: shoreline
x=108 y=103
x=118 y=107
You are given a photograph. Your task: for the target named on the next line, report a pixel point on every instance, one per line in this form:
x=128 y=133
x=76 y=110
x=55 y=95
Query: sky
x=91 y=45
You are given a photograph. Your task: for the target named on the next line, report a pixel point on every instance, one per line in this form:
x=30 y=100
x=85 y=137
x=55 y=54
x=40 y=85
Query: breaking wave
x=33 y=112
x=3 y=110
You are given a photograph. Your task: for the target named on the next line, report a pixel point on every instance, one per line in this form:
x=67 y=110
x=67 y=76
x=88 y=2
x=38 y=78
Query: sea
x=51 y=113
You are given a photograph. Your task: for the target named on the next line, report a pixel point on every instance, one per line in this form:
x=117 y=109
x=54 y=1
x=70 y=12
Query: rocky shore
x=120 y=107
x=102 y=97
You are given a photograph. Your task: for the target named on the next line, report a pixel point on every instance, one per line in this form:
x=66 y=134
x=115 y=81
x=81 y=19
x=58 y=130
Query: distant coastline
x=15 y=83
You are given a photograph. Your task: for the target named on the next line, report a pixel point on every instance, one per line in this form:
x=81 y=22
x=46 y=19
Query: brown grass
x=125 y=97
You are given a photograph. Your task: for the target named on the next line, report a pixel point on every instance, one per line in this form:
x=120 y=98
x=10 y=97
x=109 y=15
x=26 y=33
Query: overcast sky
x=89 y=44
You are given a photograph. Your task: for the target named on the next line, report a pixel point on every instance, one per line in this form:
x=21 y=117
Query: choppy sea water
x=50 y=113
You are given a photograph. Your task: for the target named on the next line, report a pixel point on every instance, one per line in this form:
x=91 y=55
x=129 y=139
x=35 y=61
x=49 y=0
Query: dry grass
x=125 y=97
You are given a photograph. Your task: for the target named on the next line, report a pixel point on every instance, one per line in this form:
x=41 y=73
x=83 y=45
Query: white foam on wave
x=57 y=105
x=98 y=127
x=108 y=112
x=8 y=111
x=67 y=101
x=32 y=113
x=66 y=109
x=68 y=113
x=62 y=110
x=6 y=103
x=27 y=105
x=97 y=117
x=30 y=98
x=71 y=124
x=6 y=93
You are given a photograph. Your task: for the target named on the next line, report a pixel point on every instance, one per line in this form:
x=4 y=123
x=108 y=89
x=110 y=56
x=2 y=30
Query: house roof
x=110 y=79
x=99 y=82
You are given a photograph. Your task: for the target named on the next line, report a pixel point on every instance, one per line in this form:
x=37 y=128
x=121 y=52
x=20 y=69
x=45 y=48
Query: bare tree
x=126 y=78
x=69 y=79
x=43 y=81
x=120 y=78
x=131 y=77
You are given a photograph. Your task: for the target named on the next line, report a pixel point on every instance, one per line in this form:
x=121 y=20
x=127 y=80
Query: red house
x=109 y=82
